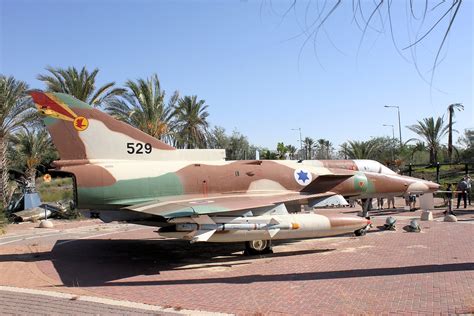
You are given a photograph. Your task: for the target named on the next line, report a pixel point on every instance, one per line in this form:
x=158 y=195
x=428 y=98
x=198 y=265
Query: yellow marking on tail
x=61 y=103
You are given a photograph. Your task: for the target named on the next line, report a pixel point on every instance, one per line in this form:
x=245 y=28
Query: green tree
x=418 y=147
x=143 y=106
x=282 y=150
x=431 y=131
x=466 y=142
x=360 y=149
x=218 y=138
x=191 y=123
x=15 y=111
x=80 y=84
x=238 y=147
x=268 y=155
x=29 y=149
x=451 y=108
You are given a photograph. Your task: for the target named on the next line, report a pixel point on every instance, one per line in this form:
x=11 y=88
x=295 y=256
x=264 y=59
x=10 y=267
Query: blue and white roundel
x=303 y=176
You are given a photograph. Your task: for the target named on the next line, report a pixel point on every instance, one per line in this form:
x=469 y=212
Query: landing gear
x=361 y=232
x=257 y=247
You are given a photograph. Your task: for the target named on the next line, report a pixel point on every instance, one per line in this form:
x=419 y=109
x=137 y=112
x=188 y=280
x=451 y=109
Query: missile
x=289 y=226
x=188 y=227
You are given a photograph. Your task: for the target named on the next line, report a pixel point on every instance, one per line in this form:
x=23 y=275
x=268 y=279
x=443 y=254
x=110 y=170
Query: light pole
x=393 y=137
x=393 y=129
x=399 y=122
x=301 y=139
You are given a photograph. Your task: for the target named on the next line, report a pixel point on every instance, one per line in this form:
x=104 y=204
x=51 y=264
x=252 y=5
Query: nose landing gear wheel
x=360 y=232
x=257 y=247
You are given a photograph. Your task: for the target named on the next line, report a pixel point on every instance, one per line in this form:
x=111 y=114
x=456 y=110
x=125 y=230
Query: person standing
x=380 y=203
x=391 y=201
x=468 y=192
x=412 y=202
x=449 y=199
x=462 y=192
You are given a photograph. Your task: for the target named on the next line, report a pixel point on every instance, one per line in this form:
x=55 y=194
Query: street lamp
x=399 y=122
x=393 y=137
x=301 y=139
x=393 y=129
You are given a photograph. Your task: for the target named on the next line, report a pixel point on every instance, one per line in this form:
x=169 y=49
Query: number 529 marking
x=139 y=148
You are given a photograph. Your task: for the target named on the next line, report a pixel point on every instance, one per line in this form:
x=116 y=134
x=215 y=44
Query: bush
x=3 y=219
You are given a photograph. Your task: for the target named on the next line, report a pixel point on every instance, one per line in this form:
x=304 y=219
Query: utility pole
x=399 y=121
x=301 y=139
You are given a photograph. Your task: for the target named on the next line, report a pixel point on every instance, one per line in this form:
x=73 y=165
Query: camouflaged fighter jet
x=121 y=173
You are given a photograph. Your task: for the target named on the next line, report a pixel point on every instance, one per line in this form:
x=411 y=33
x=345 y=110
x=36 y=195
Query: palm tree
x=15 y=112
x=308 y=143
x=143 y=107
x=191 y=123
x=451 y=108
x=431 y=132
x=291 y=150
x=324 y=147
x=360 y=149
x=29 y=149
x=81 y=85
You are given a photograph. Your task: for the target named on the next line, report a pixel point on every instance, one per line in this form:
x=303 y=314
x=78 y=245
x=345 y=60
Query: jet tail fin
x=81 y=132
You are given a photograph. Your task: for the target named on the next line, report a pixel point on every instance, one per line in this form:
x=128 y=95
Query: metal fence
x=442 y=173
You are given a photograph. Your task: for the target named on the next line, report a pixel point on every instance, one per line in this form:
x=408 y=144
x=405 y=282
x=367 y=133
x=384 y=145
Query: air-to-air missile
x=121 y=173
x=276 y=227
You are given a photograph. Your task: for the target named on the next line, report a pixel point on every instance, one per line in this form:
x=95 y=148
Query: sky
x=253 y=64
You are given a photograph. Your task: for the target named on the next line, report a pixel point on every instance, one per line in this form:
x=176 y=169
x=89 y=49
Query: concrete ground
x=127 y=269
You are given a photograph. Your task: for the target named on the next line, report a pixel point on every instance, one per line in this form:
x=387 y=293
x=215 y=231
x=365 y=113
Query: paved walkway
x=16 y=301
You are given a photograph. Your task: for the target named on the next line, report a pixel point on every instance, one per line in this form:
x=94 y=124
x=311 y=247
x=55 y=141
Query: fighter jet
x=121 y=173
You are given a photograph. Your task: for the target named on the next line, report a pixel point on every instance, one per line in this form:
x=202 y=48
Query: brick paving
x=27 y=304
x=382 y=272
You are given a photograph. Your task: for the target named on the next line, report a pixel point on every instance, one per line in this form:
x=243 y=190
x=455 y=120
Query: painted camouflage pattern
x=107 y=177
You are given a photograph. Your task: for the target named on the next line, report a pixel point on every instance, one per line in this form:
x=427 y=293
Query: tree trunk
x=450 y=135
x=3 y=172
x=31 y=176
x=432 y=156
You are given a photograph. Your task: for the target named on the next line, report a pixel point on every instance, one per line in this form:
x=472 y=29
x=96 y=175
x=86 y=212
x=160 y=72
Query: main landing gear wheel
x=257 y=247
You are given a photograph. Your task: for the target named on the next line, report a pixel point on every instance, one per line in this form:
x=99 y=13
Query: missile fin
x=273 y=232
x=273 y=221
x=202 y=235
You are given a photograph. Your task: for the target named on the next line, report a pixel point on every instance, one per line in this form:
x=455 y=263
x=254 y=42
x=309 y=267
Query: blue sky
x=243 y=58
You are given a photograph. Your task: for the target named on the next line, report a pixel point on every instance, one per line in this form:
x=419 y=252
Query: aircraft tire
x=360 y=232
x=257 y=247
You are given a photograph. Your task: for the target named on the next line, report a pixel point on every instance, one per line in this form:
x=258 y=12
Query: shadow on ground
x=96 y=262
x=325 y=275
x=102 y=262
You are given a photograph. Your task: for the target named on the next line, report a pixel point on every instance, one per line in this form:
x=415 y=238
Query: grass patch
x=56 y=190
x=55 y=195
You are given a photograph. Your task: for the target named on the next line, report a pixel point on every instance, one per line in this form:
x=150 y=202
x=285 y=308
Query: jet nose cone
x=433 y=186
